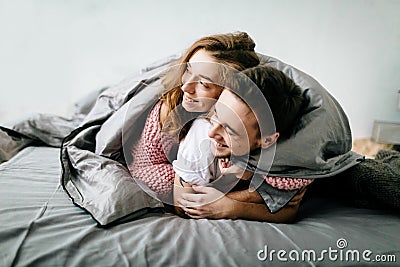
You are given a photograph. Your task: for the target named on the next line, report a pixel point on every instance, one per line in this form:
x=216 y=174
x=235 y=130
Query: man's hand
x=207 y=203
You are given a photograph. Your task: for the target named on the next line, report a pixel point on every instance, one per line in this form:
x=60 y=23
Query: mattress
x=40 y=226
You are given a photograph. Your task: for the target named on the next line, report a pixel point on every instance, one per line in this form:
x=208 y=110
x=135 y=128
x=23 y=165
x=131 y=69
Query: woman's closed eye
x=204 y=84
x=187 y=71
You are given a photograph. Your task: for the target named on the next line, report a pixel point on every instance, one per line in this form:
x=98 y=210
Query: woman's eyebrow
x=189 y=66
x=205 y=77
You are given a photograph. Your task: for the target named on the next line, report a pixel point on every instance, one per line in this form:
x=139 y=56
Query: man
x=371 y=183
x=236 y=131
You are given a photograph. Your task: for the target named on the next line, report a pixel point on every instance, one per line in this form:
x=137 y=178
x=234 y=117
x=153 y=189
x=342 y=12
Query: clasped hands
x=209 y=202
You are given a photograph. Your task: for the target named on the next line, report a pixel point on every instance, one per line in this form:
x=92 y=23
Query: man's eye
x=230 y=132
x=213 y=119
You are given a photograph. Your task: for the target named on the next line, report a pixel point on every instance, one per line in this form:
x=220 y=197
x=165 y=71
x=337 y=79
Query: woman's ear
x=267 y=141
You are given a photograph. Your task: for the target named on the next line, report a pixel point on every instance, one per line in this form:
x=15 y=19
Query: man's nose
x=214 y=131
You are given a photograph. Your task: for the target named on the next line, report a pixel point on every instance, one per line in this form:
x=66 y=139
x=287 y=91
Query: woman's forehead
x=202 y=55
x=203 y=64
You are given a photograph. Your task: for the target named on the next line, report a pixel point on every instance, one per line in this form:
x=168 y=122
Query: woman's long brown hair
x=233 y=49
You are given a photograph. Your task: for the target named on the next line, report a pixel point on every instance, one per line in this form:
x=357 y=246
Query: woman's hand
x=208 y=202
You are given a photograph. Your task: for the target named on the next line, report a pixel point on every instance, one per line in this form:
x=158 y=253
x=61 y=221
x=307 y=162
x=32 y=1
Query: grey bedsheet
x=39 y=226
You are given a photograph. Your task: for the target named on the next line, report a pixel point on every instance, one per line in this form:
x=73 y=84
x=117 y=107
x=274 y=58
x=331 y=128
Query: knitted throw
x=375 y=182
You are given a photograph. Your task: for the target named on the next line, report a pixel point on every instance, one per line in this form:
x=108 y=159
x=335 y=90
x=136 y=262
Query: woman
x=150 y=154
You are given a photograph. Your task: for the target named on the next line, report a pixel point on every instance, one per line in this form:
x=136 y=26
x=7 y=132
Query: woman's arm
x=179 y=188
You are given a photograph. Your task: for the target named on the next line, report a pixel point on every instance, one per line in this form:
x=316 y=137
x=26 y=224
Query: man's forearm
x=246 y=196
x=260 y=212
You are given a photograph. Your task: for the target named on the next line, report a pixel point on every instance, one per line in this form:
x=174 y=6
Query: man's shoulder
x=196 y=141
x=200 y=123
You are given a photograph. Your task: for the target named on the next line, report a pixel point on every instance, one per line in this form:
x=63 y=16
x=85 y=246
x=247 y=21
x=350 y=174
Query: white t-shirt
x=195 y=162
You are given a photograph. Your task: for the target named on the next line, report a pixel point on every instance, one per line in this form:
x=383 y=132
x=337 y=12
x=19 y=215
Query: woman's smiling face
x=200 y=82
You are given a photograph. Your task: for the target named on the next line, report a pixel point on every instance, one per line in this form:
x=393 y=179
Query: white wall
x=52 y=52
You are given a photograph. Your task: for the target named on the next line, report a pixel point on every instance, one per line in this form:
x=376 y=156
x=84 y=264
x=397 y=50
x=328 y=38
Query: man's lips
x=219 y=145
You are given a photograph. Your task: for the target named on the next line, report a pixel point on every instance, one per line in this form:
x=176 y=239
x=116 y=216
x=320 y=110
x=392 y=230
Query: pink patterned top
x=150 y=163
x=284 y=183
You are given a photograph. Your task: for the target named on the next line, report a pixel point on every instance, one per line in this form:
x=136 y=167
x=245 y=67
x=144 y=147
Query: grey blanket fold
x=320 y=145
x=94 y=173
x=94 y=170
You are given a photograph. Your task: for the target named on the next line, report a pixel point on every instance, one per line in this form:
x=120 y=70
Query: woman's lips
x=189 y=100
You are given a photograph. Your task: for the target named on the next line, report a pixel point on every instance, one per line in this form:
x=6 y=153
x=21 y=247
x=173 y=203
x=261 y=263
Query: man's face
x=234 y=127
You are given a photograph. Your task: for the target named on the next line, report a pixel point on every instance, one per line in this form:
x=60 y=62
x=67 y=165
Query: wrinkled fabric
x=94 y=166
x=95 y=174
x=39 y=226
x=11 y=143
x=320 y=145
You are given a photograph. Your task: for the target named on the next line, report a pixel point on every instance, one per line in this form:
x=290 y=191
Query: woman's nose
x=189 y=85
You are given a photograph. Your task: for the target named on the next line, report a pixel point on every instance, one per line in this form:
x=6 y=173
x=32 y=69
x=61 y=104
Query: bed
x=39 y=226
x=48 y=221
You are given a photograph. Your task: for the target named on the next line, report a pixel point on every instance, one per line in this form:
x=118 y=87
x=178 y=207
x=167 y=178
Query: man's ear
x=267 y=141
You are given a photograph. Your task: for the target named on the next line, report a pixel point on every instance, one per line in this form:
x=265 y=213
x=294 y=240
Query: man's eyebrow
x=224 y=124
x=214 y=111
x=231 y=129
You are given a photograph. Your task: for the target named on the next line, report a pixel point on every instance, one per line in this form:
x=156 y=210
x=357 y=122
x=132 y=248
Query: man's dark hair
x=283 y=95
